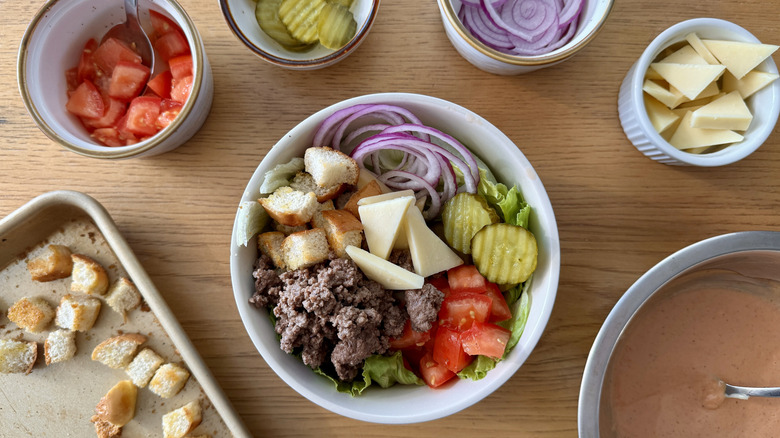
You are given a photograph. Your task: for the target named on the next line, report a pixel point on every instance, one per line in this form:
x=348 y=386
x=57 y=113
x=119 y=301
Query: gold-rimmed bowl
x=592 y=18
x=240 y=17
x=53 y=43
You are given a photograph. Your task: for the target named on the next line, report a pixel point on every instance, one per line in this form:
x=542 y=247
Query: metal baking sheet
x=59 y=400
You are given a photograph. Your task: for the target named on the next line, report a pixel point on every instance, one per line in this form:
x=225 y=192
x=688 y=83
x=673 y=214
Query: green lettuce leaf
x=281 y=175
x=509 y=203
x=386 y=371
x=478 y=368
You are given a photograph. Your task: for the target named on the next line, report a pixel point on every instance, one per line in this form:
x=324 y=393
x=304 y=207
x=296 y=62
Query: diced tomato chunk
x=181 y=89
x=115 y=109
x=72 y=79
x=442 y=284
x=459 y=310
x=86 y=101
x=87 y=68
x=128 y=80
x=410 y=338
x=162 y=24
x=448 y=351
x=161 y=84
x=107 y=136
x=171 y=45
x=485 y=339
x=466 y=278
x=142 y=116
x=433 y=373
x=169 y=110
x=110 y=52
x=499 y=311
x=181 y=66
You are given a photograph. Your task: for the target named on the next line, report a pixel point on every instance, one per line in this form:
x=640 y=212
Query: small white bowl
x=764 y=104
x=53 y=43
x=401 y=403
x=592 y=18
x=240 y=17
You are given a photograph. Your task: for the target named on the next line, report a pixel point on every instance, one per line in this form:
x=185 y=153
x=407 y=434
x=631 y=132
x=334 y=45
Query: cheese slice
x=430 y=255
x=669 y=97
x=685 y=55
x=652 y=74
x=697 y=45
x=390 y=276
x=728 y=112
x=690 y=79
x=687 y=137
x=382 y=222
x=384 y=197
x=738 y=57
x=660 y=116
x=749 y=84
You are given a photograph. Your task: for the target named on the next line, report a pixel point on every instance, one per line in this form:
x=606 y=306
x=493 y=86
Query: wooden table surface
x=618 y=212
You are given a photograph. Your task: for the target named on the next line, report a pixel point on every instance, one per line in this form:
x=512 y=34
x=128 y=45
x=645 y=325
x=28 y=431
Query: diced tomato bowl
x=96 y=97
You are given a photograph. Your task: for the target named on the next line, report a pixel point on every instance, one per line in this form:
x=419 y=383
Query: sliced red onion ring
x=339 y=121
x=414 y=182
x=480 y=24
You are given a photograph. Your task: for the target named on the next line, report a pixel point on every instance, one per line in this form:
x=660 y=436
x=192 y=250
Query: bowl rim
x=306 y=64
x=729 y=154
x=481 y=389
x=637 y=294
x=106 y=152
x=449 y=12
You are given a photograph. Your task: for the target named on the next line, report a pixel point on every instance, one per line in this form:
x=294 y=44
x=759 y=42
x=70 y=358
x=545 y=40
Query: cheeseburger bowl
x=407 y=403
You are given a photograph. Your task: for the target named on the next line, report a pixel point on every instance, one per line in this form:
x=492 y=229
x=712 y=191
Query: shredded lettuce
x=509 y=203
x=385 y=371
x=281 y=175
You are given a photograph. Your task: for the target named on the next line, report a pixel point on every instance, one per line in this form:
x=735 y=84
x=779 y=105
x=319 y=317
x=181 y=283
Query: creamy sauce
x=665 y=370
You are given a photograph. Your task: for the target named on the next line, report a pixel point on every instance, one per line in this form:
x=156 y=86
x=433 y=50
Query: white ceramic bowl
x=240 y=17
x=764 y=104
x=53 y=43
x=408 y=404
x=592 y=18
x=753 y=254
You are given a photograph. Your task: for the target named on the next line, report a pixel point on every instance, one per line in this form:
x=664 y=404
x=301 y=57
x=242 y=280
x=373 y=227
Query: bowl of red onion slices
x=510 y=37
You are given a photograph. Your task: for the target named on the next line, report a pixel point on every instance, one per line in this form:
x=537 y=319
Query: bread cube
x=289 y=206
x=143 y=366
x=342 y=229
x=330 y=167
x=304 y=249
x=60 y=346
x=89 y=276
x=368 y=190
x=104 y=429
x=304 y=182
x=77 y=313
x=17 y=356
x=168 y=380
x=31 y=314
x=270 y=244
x=316 y=218
x=180 y=422
x=118 y=351
x=284 y=229
x=52 y=264
x=123 y=297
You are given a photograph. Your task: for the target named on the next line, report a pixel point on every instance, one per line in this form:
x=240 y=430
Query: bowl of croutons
x=395 y=258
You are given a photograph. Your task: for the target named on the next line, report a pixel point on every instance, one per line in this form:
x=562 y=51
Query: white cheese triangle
x=669 y=97
x=687 y=137
x=738 y=57
x=382 y=222
x=728 y=112
x=697 y=45
x=685 y=55
x=749 y=84
x=430 y=255
x=384 y=197
x=660 y=116
x=690 y=79
x=390 y=276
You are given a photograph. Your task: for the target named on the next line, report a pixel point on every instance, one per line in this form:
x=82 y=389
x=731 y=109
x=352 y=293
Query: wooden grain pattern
x=618 y=212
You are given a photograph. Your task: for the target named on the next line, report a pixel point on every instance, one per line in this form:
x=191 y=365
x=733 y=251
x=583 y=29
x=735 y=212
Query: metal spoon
x=133 y=34
x=745 y=392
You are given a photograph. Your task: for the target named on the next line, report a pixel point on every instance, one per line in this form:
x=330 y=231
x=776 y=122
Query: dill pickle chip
x=504 y=253
x=267 y=15
x=345 y=3
x=336 y=26
x=463 y=216
x=301 y=18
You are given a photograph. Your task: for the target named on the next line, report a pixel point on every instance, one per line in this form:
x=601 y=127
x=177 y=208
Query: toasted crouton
x=54 y=263
x=118 y=405
x=329 y=167
x=118 y=351
x=168 y=380
x=289 y=206
x=270 y=244
x=123 y=297
x=284 y=229
x=77 y=313
x=342 y=229
x=143 y=366
x=304 y=249
x=31 y=314
x=17 y=356
x=89 y=277
x=60 y=346
x=180 y=422
x=304 y=182
x=316 y=218
x=368 y=190
x=104 y=429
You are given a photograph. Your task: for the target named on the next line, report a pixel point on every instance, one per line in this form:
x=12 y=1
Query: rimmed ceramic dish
x=408 y=404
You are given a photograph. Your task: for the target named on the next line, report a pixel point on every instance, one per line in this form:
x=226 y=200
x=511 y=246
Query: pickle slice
x=267 y=15
x=463 y=216
x=336 y=26
x=345 y=3
x=504 y=253
x=301 y=17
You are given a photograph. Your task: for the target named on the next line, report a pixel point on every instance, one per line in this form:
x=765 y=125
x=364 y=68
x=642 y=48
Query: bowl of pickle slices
x=300 y=34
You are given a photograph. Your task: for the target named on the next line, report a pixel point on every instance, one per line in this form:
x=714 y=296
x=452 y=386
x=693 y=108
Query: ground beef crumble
x=423 y=306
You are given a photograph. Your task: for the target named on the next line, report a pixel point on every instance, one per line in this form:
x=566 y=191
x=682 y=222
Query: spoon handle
x=131 y=9
x=744 y=392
